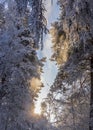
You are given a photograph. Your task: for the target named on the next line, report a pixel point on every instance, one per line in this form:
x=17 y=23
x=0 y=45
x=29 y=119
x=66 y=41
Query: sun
x=37 y=110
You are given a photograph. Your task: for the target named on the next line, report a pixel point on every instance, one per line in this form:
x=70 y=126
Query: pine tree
x=75 y=30
x=19 y=65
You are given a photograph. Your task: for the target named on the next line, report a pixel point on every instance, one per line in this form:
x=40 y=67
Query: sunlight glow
x=35 y=84
x=37 y=110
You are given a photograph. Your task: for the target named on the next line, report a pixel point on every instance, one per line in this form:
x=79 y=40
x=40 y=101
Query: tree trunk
x=91 y=97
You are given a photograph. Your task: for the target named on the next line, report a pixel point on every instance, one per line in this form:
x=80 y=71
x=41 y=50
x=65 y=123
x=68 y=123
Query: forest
x=68 y=104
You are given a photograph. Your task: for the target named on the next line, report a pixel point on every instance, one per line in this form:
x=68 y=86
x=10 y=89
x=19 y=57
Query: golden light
x=36 y=85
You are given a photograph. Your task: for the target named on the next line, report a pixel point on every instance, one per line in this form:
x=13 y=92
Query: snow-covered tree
x=19 y=68
x=36 y=20
x=68 y=105
x=73 y=46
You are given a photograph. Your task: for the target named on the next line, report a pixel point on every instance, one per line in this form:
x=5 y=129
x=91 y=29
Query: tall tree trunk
x=91 y=97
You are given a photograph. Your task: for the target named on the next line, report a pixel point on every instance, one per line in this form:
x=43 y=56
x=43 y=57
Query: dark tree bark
x=91 y=97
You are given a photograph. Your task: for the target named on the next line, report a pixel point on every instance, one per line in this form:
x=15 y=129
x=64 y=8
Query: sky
x=50 y=67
